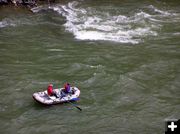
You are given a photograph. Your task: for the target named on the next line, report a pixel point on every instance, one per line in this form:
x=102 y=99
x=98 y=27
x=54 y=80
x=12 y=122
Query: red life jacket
x=50 y=90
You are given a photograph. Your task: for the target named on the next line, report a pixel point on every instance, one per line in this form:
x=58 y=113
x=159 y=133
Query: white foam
x=6 y=23
x=1 y=24
x=93 y=24
x=37 y=9
x=164 y=13
x=55 y=50
x=118 y=28
x=177 y=33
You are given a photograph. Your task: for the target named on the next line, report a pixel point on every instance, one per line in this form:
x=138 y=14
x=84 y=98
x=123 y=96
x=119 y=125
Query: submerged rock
x=19 y=2
x=4 y=1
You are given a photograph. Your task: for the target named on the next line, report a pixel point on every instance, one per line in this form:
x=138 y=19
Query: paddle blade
x=79 y=108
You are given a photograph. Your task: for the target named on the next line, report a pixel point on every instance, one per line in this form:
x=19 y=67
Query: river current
x=123 y=55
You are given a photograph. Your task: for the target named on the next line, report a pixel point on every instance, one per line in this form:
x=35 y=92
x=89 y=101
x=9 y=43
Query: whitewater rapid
x=93 y=24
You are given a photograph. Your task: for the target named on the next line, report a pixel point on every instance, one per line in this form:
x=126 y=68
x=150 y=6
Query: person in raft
x=67 y=90
x=51 y=91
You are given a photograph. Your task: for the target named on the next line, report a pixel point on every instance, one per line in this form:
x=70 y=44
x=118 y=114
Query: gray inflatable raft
x=61 y=97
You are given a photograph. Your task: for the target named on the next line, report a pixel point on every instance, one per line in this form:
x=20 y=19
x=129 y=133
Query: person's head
x=50 y=85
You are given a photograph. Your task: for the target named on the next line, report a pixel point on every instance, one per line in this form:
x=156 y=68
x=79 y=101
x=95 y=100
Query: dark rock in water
x=4 y=1
x=30 y=3
x=24 y=1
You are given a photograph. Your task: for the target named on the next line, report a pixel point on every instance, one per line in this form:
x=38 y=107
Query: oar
x=74 y=105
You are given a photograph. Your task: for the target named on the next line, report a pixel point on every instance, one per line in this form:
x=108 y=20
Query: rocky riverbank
x=28 y=3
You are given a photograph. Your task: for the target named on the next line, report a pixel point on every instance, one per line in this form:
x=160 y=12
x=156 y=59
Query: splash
x=6 y=23
x=93 y=24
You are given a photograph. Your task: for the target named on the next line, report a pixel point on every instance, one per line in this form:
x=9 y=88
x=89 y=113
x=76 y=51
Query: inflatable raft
x=61 y=97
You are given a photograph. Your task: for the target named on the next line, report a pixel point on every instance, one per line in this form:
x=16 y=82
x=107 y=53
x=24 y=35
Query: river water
x=123 y=55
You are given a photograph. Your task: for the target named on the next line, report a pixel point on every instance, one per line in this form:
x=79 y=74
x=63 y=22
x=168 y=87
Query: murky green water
x=123 y=55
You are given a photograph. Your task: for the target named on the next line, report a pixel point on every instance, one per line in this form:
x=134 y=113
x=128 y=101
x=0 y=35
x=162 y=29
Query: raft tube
x=44 y=98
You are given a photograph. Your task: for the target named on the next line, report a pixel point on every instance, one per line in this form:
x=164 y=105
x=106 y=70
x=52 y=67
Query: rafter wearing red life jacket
x=50 y=90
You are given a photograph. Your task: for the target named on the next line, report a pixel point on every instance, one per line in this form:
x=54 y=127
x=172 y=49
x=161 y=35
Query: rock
x=4 y=2
x=28 y=3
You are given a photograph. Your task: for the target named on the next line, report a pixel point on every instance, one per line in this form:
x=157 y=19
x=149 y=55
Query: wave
x=6 y=23
x=28 y=21
x=13 y=22
x=161 y=12
x=93 y=24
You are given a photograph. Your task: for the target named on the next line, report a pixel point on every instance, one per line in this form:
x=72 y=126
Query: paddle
x=74 y=105
x=71 y=103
